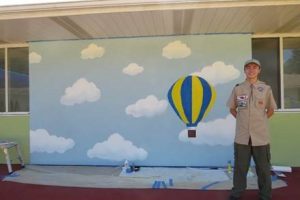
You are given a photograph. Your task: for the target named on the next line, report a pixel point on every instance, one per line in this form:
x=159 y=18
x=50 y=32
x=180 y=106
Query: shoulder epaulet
x=261 y=82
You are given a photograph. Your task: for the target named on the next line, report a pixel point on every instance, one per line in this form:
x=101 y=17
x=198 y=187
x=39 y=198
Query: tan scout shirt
x=251 y=105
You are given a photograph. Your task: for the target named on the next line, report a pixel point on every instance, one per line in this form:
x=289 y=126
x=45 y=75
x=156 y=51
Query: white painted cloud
x=176 y=50
x=217 y=132
x=133 y=69
x=34 y=58
x=148 y=107
x=81 y=91
x=218 y=73
x=116 y=148
x=41 y=141
x=92 y=51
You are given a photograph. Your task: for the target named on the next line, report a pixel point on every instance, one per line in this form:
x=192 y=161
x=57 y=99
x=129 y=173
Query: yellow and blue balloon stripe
x=191 y=97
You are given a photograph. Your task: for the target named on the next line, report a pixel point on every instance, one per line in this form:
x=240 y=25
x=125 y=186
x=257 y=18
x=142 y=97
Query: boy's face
x=252 y=71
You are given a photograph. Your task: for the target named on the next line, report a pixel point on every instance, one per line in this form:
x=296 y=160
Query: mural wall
x=99 y=102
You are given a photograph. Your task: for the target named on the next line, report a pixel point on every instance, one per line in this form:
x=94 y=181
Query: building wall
x=124 y=77
x=285 y=139
x=284 y=133
x=15 y=128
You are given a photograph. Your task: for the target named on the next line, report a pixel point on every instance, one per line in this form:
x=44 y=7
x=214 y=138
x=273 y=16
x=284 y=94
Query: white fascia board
x=113 y=6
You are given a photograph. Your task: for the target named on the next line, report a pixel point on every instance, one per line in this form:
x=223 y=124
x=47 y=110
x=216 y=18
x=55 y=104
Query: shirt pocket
x=260 y=103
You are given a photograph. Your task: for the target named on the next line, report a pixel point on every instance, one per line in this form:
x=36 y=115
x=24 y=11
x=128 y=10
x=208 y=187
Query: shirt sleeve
x=271 y=101
x=231 y=101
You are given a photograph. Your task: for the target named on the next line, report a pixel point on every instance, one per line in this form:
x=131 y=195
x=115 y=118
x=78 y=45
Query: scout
x=252 y=103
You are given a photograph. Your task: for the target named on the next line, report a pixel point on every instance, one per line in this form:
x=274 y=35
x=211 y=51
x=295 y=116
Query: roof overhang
x=137 y=18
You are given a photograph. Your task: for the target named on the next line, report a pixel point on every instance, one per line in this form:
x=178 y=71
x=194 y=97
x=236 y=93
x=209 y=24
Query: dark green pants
x=242 y=157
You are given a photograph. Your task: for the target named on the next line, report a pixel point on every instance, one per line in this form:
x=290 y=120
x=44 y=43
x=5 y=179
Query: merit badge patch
x=242 y=101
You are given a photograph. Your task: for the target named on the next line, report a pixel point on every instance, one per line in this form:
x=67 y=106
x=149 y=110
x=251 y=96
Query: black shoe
x=233 y=198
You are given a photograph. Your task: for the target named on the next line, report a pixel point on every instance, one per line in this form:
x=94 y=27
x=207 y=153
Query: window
x=2 y=80
x=14 y=80
x=266 y=50
x=291 y=70
x=284 y=78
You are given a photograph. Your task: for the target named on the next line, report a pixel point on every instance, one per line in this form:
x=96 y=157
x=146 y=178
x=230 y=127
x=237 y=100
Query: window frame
x=280 y=37
x=5 y=47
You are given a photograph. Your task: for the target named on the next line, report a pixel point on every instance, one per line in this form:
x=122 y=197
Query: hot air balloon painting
x=191 y=97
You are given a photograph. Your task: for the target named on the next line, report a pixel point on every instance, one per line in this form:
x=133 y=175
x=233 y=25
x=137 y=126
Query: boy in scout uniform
x=252 y=103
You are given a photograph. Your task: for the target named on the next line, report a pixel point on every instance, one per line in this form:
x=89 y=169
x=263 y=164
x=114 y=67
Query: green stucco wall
x=15 y=128
x=285 y=134
x=285 y=139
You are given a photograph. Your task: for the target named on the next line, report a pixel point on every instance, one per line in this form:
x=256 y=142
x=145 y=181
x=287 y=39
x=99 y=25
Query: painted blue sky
x=99 y=102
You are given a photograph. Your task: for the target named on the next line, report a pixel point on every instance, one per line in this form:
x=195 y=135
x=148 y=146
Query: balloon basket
x=191 y=133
